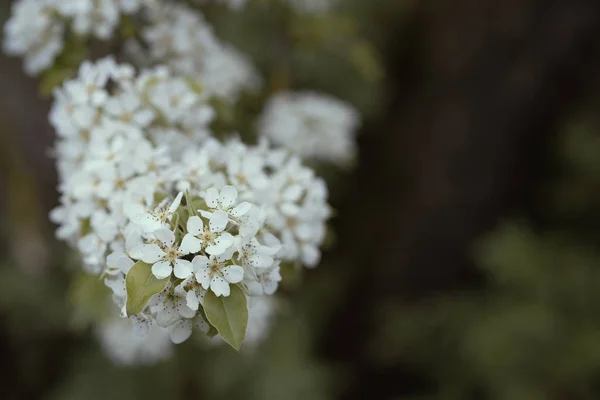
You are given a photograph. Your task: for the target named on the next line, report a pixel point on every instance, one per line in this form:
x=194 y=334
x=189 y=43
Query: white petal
x=195 y=225
x=241 y=209
x=212 y=195
x=151 y=253
x=183 y=269
x=200 y=262
x=166 y=236
x=148 y=222
x=310 y=255
x=167 y=317
x=220 y=286
x=201 y=324
x=304 y=232
x=190 y=244
x=228 y=197
x=184 y=310
x=292 y=193
x=120 y=261
x=233 y=273
x=203 y=278
x=175 y=203
x=260 y=261
x=192 y=300
x=206 y=214
x=218 y=221
x=162 y=269
x=222 y=243
x=181 y=331
x=289 y=209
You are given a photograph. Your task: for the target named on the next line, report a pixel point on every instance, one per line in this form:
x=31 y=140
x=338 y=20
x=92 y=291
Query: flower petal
x=184 y=310
x=148 y=222
x=200 y=262
x=241 y=209
x=211 y=197
x=192 y=300
x=166 y=236
x=222 y=243
x=220 y=286
x=167 y=317
x=190 y=244
x=175 y=203
x=151 y=253
x=233 y=273
x=181 y=331
x=228 y=197
x=195 y=225
x=120 y=261
x=162 y=269
x=218 y=221
x=183 y=269
x=310 y=255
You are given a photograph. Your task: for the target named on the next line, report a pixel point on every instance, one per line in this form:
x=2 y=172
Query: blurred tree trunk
x=477 y=94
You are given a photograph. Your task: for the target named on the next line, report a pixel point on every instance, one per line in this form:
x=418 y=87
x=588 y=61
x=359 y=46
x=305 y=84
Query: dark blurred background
x=467 y=260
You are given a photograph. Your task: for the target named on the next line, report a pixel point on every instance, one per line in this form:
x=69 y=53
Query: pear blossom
x=170 y=306
x=225 y=201
x=158 y=217
x=213 y=238
x=217 y=273
x=165 y=256
x=36 y=28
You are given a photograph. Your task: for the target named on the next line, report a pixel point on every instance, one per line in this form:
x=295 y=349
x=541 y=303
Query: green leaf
x=141 y=285
x=228 y=314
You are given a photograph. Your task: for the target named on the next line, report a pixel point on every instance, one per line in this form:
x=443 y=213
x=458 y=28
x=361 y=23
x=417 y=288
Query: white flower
x=216 y=273
x=213 y=238
x=158 y=217
x=182 y=330
x=225 y=201
x=165 y=256
x=264 y=281
x=254 y=255
x=313 y=126
x=34 y=33
x=179 y=37
x=194 y=290
x=170 y=306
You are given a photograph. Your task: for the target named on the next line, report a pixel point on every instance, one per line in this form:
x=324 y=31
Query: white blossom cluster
x=313 y=126
x=180 y=38
x=116 y=133
x=134 y=152
x=143 y=182
x=36 y=29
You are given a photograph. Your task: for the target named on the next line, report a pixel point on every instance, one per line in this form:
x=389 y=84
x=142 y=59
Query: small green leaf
x=141 y=285
x=228 y=314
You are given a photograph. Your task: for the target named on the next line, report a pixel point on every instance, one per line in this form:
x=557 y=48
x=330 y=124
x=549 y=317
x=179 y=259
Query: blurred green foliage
x=533 y=331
